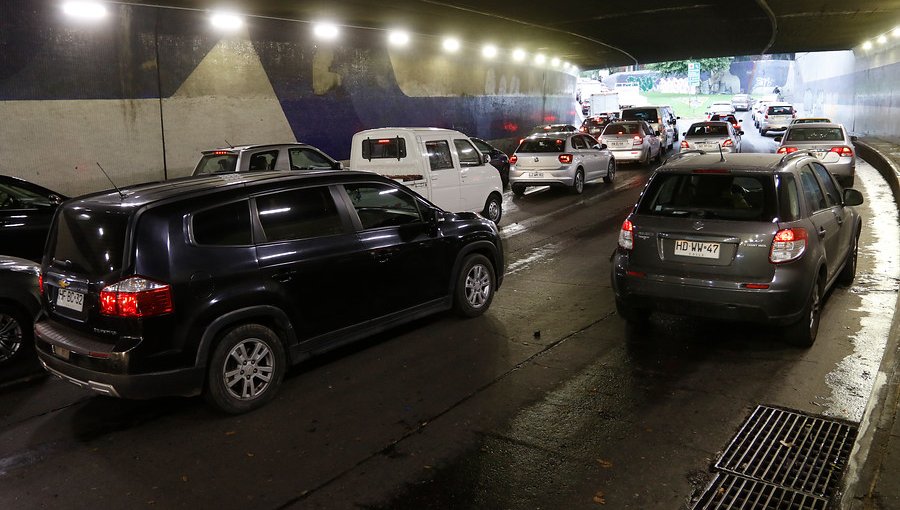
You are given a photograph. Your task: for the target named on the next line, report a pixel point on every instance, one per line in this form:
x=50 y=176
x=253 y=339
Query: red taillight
x=842 y=151
x=684 y=145
x=565 y=158
x=755 y=285
x=513 y=159
x=41 y=282
x=637 y=140
x=221 y=153
x=727 y=143
x=767 y=115
x=626 y=235
x=786 y=150
x=384 y=141
x=136 y=297
x=787 y=245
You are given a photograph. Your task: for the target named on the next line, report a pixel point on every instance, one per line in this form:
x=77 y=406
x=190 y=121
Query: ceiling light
x=867 y=45
x=566 y=65
x=398 y=37
x=226 y=21
x=451 y=44
x=882 y=39
x=540 y=58
x=896 y=32
x=326 y=31
x=84 y=9
x=518 y=54
x=489 y=51
x=554 y=62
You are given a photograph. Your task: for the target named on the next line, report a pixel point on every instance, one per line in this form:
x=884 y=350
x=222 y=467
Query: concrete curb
x=861 y=488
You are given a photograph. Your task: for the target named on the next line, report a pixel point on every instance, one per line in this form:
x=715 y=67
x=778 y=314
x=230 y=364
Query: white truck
x=442 y=165
x=605 y=102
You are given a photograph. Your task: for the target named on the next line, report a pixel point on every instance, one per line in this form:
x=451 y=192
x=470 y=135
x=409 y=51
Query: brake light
x=626 y=235
x=727 y=143
x=513 y=159
x=637 y=140
x=757 y=286
x=684 y=145
x=843 y=151
x=565 y=158
x=786 y=150
x=136 y=297
x=41 y=282
x=384 y=141
x=221 y=153
x=787 y=245
x=767 y=115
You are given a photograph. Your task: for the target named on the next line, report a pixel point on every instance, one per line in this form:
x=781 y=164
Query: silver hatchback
x=712 y=136
x=745 y=237
x=559 y=159
x=830 y=143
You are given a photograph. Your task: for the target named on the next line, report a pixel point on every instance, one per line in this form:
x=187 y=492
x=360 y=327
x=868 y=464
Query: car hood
x=17 y=265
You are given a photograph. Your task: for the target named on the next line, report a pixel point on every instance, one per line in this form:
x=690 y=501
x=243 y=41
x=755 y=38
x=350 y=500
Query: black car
x=594 y=125
x=25 y=213
x=217 y=284
x=20 y=303
x=499 y=159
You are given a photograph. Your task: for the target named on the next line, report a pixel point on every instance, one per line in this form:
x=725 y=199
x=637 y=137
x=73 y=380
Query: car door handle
x=822 y=231
x=382 y=256
x=284 y=276
x=837 y=217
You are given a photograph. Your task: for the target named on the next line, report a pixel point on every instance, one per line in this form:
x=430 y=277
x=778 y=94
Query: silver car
x=710 y=136
x=829 y=142
x=777 y=116
x=751 y=237
x=256 y=158
x=559 y=159
x=741 y=102
x=632 y=141
x=810 y=120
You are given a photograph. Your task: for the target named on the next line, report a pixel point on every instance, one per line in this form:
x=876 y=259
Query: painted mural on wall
x=147 y=78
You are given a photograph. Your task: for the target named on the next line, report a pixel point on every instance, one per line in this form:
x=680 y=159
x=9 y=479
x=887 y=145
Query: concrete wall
x=146 y=89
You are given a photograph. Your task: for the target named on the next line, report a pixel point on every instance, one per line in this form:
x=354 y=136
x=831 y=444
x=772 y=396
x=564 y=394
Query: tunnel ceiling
x=600 y=34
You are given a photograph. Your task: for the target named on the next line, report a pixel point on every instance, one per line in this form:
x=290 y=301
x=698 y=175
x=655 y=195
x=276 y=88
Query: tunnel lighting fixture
x=896 y=32
x=540 y=58
x=325 y=31
x=84 y=9
x=554 y=62
x=882 y=39
x=518 y=54
x=575 y=69
x=398 y=37
x=226 y=21
x=566 y=65
x=451 y=45
x=867 y=45
x=489 y=51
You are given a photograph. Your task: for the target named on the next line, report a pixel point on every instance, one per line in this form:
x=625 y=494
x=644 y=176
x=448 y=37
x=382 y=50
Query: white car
x=776 y=117
x=720 y=107
x=712 y=136
x=560 y=159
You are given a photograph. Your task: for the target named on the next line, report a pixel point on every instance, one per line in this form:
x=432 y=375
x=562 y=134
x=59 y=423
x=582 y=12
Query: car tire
x=242 y=349
x=803 y=332
x=610 y=172
x=16 y=334
x=475 y=285
x=645 y=160
x=848 y=273
x=517 y=189
x=493 y=208
x=635 y=317
x=762 y=132
x=578 y=182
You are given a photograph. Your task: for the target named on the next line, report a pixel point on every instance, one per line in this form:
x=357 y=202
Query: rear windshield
x=542 y=145
x=815 y=135
x=710 y=196
x=810 y=120
x=216 y=163
x=617 y=128
x=91 y=241
x=708 y=129
x=384 y=148
x=781 y=110
x=648 y=114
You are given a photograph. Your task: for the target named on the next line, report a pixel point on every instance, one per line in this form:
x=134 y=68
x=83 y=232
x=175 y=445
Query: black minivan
x=217 y=284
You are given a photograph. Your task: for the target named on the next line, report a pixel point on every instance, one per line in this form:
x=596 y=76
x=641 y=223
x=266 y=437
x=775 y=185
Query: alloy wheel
x=478 y=286
x=248 y=369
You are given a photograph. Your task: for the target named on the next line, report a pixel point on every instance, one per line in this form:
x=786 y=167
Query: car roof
x=11 y=179
x=779 y=103
x=713 y=160
x=240 y=148
x=553 y=134
x=805 y=125
x=712 y=122
x=140 y=195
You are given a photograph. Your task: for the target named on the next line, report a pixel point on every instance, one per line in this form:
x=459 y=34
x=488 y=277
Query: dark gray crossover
x=217 y=284
x=746 y=237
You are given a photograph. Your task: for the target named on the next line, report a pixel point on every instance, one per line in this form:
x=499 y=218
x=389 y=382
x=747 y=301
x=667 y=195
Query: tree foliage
x=680 y=67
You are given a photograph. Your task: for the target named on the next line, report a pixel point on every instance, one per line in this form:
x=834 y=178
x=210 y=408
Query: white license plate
x=535 y=174
x=70 y=299
x=617 y=144
x=61 y=352
x=697 y=249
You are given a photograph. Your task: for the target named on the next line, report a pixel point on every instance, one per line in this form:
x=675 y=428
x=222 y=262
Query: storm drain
x=781 y=459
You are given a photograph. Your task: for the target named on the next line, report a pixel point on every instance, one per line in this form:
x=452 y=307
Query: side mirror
x=656 y=133
x=852 y=197
x=741 y=133
x=853 y=138
x=485 y=158
x=684 y=133
x=337 y=165
x=778 y=138
x=678 y=118
x=55 y=199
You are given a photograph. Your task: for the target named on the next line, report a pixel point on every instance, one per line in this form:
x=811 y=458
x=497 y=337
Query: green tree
x=679 y=67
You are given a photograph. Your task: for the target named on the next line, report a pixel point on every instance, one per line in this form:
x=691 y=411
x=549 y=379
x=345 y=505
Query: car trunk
x=623 y=141
x=539 y=161
x=706 y=143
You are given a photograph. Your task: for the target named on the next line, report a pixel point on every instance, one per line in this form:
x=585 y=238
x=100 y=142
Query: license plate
x=70 y=299
x=617 y=144
x=535 y=174
x=61 y=352
x=697 y=249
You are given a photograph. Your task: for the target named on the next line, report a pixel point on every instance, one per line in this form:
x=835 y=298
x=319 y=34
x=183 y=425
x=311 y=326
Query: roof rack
x=791 y=155
x=683 y=153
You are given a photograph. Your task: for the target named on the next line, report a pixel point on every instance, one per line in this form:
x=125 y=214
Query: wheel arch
x=482 y=247
x=265 y=315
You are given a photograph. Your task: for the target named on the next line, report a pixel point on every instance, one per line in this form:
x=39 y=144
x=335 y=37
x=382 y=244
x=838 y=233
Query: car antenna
x=121 y=195
x=721 y=154
x=229 y=143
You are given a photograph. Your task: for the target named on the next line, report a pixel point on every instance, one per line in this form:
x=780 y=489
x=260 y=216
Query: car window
x=788 y=198
x=439 y=154
x=648 y=114
x=622 y=128
x=832 y=194
x=781 y=110
x=384 y=148
x=578 y=143
x=93 y=241
x=262 y=161
x=815 y=134
x=542 y=145
x=225 y=225
x=482 y=146
x=710 y=196
x=812 y=193
x=298 y=214
x=303 y=158
x=217 y=162
x=467 y=153
x=18 y=197
x=381 y=205
x=708 y=129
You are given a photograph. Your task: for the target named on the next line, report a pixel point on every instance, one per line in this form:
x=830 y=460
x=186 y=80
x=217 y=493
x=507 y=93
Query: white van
x=442 y=165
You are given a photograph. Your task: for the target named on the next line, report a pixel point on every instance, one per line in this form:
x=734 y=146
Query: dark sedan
x=499 y=159
x=25 y=213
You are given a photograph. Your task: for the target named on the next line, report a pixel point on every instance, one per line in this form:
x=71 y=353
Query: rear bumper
x=551 y=178
x=628 y=154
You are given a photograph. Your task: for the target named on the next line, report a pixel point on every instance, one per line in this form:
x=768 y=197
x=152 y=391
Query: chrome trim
x=105 y=389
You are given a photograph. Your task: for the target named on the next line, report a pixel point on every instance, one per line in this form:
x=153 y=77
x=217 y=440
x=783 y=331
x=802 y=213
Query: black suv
x=217 y=284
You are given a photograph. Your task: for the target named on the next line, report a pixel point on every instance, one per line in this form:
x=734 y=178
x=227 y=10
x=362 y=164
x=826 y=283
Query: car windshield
x=648 y=114
x=216 y=163
x=780 y=110
x=622 y=128
x=815 y=135
x=710 y=196
x=542 y=145
x=707 y=130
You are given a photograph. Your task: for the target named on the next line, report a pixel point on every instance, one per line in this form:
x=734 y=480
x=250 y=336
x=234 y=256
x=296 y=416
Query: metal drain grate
x=728 y=491
x=790 y=450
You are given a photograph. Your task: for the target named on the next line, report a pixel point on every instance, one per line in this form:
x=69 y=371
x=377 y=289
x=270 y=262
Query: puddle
x=535 y=255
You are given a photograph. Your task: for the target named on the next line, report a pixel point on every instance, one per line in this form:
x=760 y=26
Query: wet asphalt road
x=547 y=401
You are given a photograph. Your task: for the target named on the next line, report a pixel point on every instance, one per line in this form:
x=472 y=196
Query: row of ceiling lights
x=882 y=39
x=227 y=21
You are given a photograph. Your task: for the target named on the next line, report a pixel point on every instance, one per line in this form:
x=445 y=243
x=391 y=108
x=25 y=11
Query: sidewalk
x=873 y=474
